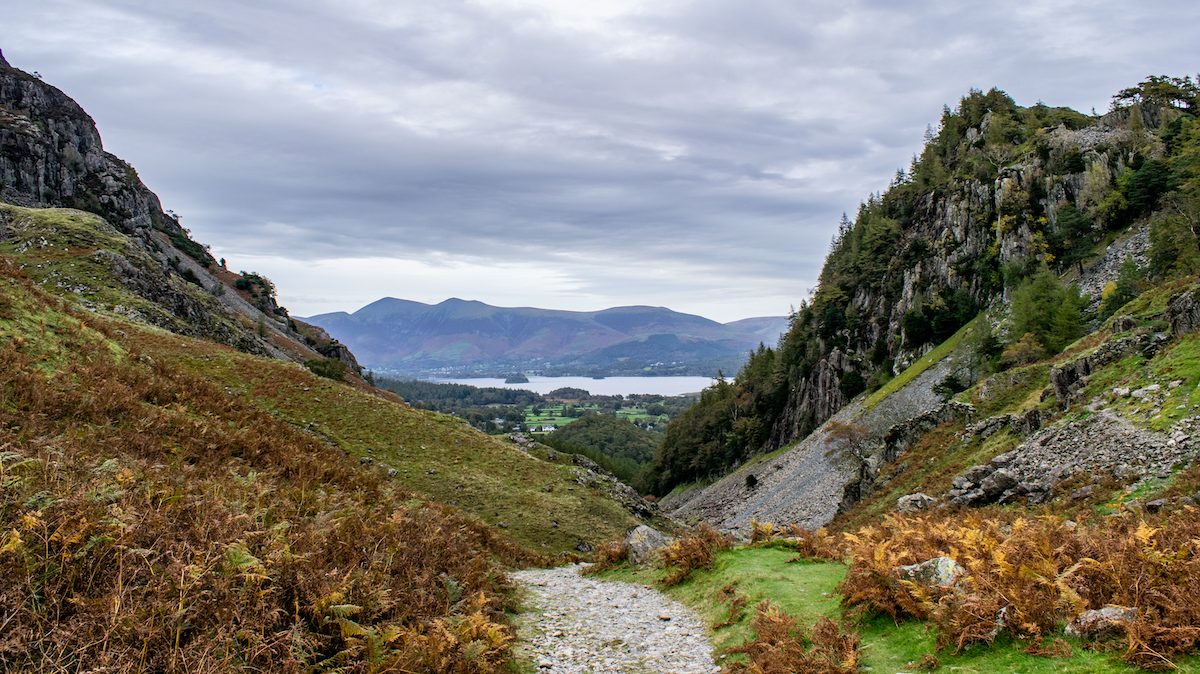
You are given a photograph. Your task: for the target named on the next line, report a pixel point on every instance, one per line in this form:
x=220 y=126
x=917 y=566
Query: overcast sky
x=569 y=154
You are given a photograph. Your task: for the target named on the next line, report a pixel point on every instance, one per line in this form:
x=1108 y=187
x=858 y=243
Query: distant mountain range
x=461 y=338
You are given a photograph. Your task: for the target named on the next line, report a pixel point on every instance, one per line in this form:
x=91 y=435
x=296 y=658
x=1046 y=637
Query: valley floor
x=579 y=625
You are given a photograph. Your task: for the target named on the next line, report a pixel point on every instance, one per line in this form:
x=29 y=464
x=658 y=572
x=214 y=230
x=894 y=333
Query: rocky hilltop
x=51 y=155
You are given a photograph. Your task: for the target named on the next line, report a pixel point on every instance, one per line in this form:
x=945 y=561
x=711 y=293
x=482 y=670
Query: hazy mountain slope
x=415 y=338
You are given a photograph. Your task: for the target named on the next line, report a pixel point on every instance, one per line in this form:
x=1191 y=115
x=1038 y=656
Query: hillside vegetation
x=153 y=520
x=1034 y=508
x=1002 y=201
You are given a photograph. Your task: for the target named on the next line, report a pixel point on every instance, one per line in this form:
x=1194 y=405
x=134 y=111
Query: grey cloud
x=715 y=139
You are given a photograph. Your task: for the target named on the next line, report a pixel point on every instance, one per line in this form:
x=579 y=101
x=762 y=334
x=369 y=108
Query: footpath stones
x=580 y=625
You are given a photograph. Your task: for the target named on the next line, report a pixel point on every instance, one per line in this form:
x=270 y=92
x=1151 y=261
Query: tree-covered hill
x=1001 y=197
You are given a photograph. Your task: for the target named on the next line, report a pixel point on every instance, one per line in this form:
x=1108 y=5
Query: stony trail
x=579 y=625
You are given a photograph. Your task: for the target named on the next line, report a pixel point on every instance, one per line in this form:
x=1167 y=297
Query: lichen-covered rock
x=936 y=572
x=643 y=543
x=1102 y=622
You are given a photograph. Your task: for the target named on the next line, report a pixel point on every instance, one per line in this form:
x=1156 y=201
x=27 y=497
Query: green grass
x=1179 y=361
x=808 y=590
x=923 y=363
x=1012 y=391
x=538 y=502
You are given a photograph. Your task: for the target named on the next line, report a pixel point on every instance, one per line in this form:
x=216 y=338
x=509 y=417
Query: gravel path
x=579 y=625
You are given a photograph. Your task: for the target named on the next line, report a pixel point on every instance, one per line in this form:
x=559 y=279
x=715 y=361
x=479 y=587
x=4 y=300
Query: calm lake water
x=609 y=386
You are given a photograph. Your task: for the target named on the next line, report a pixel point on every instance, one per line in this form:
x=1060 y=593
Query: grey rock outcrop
x=1183 y=311
x=51 y=155
x=1105 y=443
x=1070 y=377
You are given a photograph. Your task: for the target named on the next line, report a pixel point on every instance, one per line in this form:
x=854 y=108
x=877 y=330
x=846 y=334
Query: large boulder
x=643 y=542
x=1101 y=622
x=937 y=572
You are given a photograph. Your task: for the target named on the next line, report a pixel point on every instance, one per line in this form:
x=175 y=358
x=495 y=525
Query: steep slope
x=1002 y=202
x=141 y=262
x=153 y=519
x=457 y=335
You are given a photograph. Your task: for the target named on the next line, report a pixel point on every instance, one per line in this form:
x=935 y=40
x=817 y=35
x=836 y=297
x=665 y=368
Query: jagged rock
x=1123 y=324
x=997 y=483
x=1097 y=623
x=914 y=503
x=937 y=572
x=643 y=543
x=1183 y=311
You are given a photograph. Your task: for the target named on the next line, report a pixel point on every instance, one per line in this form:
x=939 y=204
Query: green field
x=557 y=414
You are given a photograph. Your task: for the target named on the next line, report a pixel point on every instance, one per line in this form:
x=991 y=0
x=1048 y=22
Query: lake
x=609 y=386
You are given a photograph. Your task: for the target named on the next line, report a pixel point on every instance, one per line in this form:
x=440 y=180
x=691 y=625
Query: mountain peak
x=3 y=61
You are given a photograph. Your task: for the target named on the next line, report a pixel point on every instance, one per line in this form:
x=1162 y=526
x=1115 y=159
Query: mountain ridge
x=406 y=336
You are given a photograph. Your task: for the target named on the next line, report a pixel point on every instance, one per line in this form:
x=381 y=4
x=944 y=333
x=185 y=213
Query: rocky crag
x=920 y=282
x=51 y=156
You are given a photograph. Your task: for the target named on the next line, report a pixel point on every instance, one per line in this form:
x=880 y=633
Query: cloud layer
x=570 y=155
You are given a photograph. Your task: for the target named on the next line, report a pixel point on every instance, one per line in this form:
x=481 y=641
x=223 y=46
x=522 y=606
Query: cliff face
x=998 y=193
x=961 y=239
x=51 y=155
x=134 y=259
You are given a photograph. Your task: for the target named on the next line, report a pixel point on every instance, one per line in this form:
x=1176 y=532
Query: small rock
x=1083 y=492
x=664 y=617
x=914 y=503
x=1157 y=505
x=1121 y=391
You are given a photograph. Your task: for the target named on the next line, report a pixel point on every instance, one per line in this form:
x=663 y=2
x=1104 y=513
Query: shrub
x=1028 y=576
x=330 y=368
x=607 y=556
x=817 y=544
x=695 y=550
x=782 y=646
x=761 y=532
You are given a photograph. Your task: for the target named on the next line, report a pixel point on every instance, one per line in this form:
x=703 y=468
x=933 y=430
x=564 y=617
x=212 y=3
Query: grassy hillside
x=172 y=504
x=152 y=521
x=541 y=501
